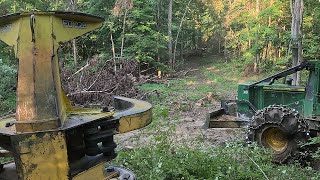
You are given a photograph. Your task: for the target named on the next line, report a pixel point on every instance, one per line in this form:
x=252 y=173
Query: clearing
x=176 y=146
x=184 y=100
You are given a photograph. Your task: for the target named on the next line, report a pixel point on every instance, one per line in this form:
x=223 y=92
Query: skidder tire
x=283 y=145
x=278 y=128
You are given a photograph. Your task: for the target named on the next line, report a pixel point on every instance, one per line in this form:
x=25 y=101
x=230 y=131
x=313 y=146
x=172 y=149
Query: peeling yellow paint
x=44 y=157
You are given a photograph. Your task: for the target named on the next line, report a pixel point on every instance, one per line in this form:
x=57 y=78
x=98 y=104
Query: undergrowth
x=165 y=159
x=214 y=76
x=8 y=74
x=162 y=159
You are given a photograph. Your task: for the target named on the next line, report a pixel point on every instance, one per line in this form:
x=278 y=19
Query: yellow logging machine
x=47 y=137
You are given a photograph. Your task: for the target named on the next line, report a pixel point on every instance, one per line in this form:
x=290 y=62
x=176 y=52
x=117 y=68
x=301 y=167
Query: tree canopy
x=256 y=32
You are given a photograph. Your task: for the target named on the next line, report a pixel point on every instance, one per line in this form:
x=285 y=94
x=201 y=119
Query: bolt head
x=110 y=169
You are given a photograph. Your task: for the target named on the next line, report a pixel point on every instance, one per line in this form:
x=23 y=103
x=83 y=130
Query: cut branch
x=81 y=69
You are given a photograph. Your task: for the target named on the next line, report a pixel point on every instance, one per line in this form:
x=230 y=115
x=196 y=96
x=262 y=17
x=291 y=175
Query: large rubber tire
x=278 y=128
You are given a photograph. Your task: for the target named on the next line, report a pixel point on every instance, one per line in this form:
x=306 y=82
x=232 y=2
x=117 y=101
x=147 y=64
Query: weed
x=162 y=159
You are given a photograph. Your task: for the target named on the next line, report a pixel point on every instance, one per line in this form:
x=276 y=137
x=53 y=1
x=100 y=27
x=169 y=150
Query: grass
x=165 y=159
x=215 y=76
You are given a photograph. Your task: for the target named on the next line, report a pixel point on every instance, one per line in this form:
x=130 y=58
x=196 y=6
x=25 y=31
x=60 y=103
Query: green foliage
x=246 y=29
x=259 y=31
x=163 y=159
x=312 y=52
x=314 y=142
x=4 y=160
x=8 y=76
x=143 y=41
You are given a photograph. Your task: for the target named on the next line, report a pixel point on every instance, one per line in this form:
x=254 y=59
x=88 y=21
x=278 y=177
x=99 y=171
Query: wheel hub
x=275 y=139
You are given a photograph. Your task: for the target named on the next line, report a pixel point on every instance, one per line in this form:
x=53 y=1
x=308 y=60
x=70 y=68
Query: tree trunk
x=182 y=45
x=257 y=6
x=171 y=62
x=113 y=54
x=225 y=53
x=123 y=36
x=180 y=26
x=14 y=6
x=219 y=46
x=257 y=59
x=123 y=32
x=296 y=36
x=256 y=63
x=75 y=51
x=269 y=45
x=158 y=29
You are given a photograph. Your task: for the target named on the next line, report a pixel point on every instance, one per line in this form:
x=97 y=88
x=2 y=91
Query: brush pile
x=95 y=83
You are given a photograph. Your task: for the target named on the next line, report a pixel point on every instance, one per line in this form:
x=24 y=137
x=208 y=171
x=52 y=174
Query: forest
x=159 y=35
x=183 y=56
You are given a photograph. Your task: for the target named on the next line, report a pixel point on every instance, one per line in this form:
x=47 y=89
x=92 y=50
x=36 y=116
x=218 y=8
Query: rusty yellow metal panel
x=36 y=125
x=9 y=32
x=133 y=113
x=43 y=156
x=45 y=94
x=74 y=110
x=69 y=27
x=62 y=100
x=136 y=121
x=25 y=88
x=96 y=172
x=36 y=95
x=43 y=106
x=36 y=37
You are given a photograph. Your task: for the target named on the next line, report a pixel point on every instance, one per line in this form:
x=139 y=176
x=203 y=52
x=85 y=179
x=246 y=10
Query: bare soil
x=189 y=126
x=188 y=129
x=192 y=127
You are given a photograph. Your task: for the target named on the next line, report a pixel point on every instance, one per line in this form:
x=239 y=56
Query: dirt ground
x=188 y=129
x=192 y=127
x=190 y=124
